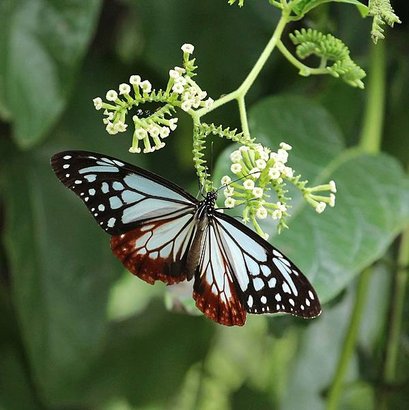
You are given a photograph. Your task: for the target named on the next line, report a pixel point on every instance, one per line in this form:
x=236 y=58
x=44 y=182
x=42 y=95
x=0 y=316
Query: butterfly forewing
x=120 y=196
x=267 y=280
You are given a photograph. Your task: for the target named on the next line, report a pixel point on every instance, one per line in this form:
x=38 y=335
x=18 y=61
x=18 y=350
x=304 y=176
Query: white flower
x=111 y=95
x=277 y=214
x=202 y=95
x=225 y=180
x=141 y=133
x=178 y=88
x=181 y=80
x=173 y=123
x=279 y=166
x=134 y=150
x=154 y=131
x=174 y=74
x=282 y=155
x=229 y=202
x=285 y=146
x=209 y=102
x=255 y=173
x=146 y=87
x=188 y=48
x=273 y=173
x=186 y=105
x=261 y=164
x=180 y=70
x=120 y=126
x=281 y=207
x=148 y=150
x=124 y=88
x=97 y=103
x=164 y=132
x=332 y=186
x=135 y=79
x=248 y=184
x=261 y=213
x=320 y=207
x=244 y=148
x=235 y=156
x=236 y=168
x=111 y=129
x=229 y=191
x=288 y=172
x=331 y=202
x=258 y=192
x=262 y=151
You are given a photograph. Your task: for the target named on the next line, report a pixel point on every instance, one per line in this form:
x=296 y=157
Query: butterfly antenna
x=235 y=180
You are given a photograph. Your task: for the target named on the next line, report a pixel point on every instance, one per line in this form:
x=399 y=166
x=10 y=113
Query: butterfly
x=161 y=232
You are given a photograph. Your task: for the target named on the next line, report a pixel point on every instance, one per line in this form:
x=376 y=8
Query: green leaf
x=42 y=45
x=372 y=198
x=302 y=7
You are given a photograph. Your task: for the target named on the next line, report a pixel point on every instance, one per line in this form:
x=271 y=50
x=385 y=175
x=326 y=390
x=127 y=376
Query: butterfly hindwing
x=120 y=196
x=268 y=282
x=214 y=290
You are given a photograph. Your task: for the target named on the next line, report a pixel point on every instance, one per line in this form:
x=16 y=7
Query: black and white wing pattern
x=240 y=272
x=151 y=219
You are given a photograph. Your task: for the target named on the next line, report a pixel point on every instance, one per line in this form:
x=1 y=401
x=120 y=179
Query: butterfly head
x=210 y=201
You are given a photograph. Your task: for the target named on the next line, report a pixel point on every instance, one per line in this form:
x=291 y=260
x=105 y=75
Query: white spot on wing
x=258 y=284
x=111 y=222
x=67 y=157
x=286 y=288
x=278 y=297
x=250 y=301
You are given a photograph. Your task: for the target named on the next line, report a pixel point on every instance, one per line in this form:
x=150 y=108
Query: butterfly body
x=160 y=232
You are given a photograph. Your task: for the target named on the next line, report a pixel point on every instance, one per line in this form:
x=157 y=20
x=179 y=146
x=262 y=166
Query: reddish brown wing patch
x=214 y=290
x=156 y=251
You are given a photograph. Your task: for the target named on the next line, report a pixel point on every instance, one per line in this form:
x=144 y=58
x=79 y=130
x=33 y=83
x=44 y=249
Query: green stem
x=370 y=142
x=371 y=134
x=348 y=348
x=255 y=71
x=303 y=69
x=395 y=318
x=243 y=117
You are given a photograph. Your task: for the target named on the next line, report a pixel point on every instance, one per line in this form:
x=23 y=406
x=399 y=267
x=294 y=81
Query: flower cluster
x=151 y=130
x=259 y=171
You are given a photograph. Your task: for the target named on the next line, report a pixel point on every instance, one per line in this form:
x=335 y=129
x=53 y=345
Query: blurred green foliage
x=74 y=332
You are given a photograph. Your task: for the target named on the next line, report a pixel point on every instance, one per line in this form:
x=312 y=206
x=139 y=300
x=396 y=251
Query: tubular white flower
x=261 y=164
x=261 y=213
x=331 y=202
x=281 y=207
x=332 y=186
x=255 y=173
x=236 y=168
x=229 y=191
x=258 y=192
x=285 y=146
x=288 y=172
x=274 y=173
x=229 y=202
x=154 y=131
x=178 y=88
x=173 y=123
x=124 y=89
x=111 y=129
x=135 y=79
x=186 y=105
x=134 y=150
x=180 y=70
x=188 y=48
x=248 y=184
x=225 y=180
x=174 y=74
x=111 y=95
x=97 y=103
x=141 y=133
x=320 y=207
x=209 y=102
x=277 y=214
x=120 y=126
x=164 y=132
x=244 y=148
x=235 y=156
x=146 y=87
x=282 y=155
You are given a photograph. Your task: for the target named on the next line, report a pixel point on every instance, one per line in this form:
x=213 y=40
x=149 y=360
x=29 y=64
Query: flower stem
x=370 y=142
x=349 y=342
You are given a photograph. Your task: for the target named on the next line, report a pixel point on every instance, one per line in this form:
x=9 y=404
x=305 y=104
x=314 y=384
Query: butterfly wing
x=151 y=219
x=240 y=272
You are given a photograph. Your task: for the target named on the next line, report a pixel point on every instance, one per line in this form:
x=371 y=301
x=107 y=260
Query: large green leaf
x=302 y=7
x=372 y=198
x=41 y=45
